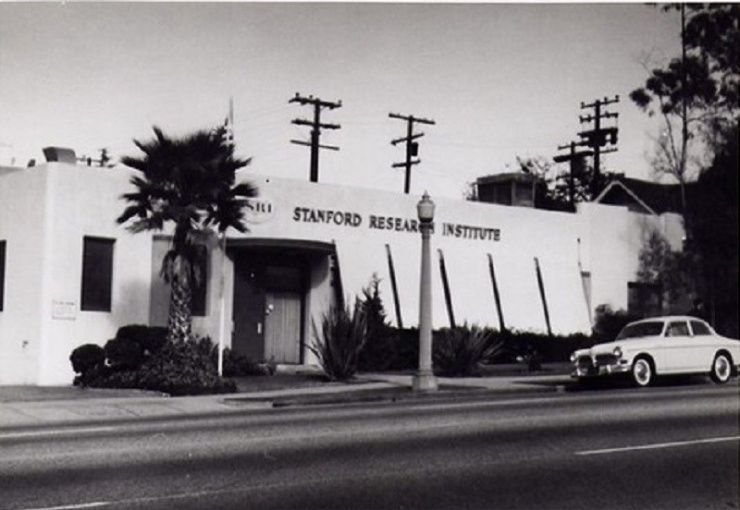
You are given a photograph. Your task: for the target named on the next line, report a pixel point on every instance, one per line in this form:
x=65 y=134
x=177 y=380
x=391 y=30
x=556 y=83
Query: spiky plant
x=459 y=351
x=340 y=341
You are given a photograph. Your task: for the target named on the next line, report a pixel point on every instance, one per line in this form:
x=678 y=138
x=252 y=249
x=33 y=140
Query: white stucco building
x=70 y=275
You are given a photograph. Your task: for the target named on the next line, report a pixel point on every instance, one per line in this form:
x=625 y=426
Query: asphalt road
x=668 y=447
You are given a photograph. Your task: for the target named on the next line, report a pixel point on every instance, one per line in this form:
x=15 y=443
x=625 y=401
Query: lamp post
x=424 y=379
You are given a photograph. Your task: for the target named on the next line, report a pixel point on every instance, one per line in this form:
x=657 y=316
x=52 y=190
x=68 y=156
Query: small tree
x=697 y=93
x=560 y=190
x=381 y=347
x=189 y=183
x=713 y=243
x=666 y=269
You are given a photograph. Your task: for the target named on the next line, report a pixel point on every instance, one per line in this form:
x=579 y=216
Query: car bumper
x=583 y=372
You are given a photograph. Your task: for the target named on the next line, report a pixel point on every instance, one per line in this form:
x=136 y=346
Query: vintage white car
x=661 y=346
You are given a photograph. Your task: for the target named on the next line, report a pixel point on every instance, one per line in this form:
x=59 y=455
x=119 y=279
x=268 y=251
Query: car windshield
x=641 y=329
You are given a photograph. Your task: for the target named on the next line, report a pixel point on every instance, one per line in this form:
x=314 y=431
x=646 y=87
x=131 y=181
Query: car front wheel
x=721 y=368
x=642 y=372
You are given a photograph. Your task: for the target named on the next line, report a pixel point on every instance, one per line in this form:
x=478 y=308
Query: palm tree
x=188 y=183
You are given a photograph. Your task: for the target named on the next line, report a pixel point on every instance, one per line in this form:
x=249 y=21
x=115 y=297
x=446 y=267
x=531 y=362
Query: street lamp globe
x=425 y=209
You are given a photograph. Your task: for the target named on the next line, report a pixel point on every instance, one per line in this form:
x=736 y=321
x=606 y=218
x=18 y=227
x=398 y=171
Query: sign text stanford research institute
x=393 y=223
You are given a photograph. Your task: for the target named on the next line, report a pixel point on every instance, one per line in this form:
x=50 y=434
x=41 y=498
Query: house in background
x=69 y=275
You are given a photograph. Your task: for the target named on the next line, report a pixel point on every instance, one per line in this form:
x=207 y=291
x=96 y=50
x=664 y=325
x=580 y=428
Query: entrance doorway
x=269 y=306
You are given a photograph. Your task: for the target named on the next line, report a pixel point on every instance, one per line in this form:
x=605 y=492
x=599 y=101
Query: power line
x=412 y=147
x=316 y=127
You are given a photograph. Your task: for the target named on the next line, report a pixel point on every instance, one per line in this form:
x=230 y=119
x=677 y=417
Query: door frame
x=307 y=254
x=257 y=263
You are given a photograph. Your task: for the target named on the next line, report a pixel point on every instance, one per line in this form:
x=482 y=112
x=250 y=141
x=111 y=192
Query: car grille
x=601 y=360
x=606 y=359
x=584 y=362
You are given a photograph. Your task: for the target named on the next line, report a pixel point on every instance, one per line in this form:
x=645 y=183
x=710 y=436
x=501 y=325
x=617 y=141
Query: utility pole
x=316 y=127
x=575 y=158
x=599 y=136
x=412 y=148
x=102 y=161
x=229 y=125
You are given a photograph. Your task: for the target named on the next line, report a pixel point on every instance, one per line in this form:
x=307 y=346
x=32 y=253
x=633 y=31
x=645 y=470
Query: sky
x=500 y=81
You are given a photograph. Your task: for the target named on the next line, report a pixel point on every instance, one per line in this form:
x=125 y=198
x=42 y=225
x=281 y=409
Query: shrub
x=457 y=352
x=535 y=348
x=140 y=357
x=380 y=352
x=151 y=339
x=340 y=342
x=234 y=363
x=406 y=348
x=133 y=344
x=181 y=368
x=608 y=323
x=124 y=353
x=238 y=365
x=87 y=360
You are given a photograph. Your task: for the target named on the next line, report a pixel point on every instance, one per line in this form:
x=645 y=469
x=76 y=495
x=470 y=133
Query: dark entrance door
x=269 y=300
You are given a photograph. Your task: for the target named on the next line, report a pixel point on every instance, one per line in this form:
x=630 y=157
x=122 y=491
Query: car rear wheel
x=642 y=372
x=721 y=368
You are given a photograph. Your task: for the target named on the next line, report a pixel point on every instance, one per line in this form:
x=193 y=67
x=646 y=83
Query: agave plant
x=340 y=341
x=458 y=351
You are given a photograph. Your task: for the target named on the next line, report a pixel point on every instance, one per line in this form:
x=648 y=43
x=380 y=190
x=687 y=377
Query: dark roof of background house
x=506 y=177
x=661 y=198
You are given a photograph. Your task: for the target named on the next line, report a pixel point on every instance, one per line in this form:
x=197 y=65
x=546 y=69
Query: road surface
x=670 y=448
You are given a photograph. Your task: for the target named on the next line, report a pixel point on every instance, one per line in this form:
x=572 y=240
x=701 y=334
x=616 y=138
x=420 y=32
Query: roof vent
x=60 y=155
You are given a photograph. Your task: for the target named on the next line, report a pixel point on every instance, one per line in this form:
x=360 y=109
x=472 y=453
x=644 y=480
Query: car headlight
x=572 y=357
x=617 y=351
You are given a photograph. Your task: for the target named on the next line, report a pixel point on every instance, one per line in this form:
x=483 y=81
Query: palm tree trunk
x=179 y=322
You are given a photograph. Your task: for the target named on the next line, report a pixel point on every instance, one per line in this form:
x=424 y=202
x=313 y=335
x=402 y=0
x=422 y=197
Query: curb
x=389 y=395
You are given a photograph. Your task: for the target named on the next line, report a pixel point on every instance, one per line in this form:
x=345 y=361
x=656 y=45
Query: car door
x=678 y=347
x=704 y=345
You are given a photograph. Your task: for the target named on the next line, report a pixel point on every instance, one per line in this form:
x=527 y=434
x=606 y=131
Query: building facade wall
x=48 y=210
x=67 y=203
x=361 y=223
x=22 y=227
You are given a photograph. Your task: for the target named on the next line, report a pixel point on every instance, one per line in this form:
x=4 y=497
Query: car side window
x=700 y=329
x=677 y=329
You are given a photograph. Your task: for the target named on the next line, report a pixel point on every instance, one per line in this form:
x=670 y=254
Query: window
x=700 y=329
x=97 y=274
x=2 y=274
x=677 y=329
x=641 y=329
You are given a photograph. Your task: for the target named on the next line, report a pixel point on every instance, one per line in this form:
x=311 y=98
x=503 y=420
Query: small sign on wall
x=259 y=210
x=63 y=310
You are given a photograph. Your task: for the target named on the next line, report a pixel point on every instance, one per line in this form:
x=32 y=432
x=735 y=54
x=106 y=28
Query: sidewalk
x=27 y=406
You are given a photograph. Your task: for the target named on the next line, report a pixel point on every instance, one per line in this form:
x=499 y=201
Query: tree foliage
x=713 y=238
x=696 y=92
x=712 y=65
x=667 y=269
x=699 y=91
x=554 y=186
x=190 y=184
